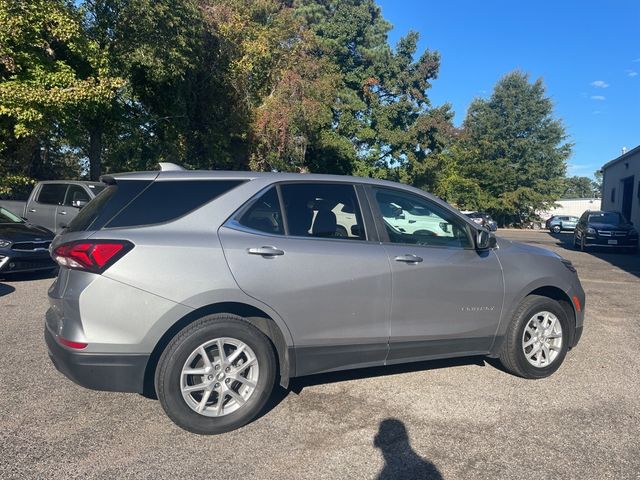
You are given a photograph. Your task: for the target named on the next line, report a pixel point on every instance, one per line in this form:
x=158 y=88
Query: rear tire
x=518 y=353
x=242 y=400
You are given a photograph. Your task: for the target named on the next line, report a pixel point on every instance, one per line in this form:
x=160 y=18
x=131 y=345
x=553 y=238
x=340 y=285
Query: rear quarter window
x=163 y=201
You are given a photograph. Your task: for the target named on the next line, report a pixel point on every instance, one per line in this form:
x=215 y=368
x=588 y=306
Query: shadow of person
x=401 y=462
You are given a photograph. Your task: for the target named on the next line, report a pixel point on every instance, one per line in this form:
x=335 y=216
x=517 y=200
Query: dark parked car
x=558 y=223
x=483 y=219
x=23 y=247
x=605 y=229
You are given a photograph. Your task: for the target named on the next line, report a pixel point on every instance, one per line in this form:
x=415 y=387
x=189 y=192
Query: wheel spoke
x=533 y=351
x=194 y=388
x=553 y=325
x=221 y=396
x=223 y=356
x=236 y=396
x=232 y=358
x=547 y=353
x=555 y=348
x=194 y=371
x=205 y=399
x=246 y=381
x=205 y=357
x=244 y=366
x=531 y=341
x=554 y=335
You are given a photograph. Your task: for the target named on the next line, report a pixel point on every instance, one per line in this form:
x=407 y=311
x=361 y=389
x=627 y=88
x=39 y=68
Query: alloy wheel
x=542 y=339
x=219 y=377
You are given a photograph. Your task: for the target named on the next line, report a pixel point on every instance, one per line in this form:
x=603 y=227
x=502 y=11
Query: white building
x=572 y=207
x=621 y=185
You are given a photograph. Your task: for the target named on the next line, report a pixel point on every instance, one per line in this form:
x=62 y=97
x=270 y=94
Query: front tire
x=556 y=229
x=536 y=341
x=216 y=375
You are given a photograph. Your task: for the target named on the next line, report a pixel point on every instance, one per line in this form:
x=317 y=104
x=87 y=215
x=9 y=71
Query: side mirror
x=485 y=240
x=79 y=203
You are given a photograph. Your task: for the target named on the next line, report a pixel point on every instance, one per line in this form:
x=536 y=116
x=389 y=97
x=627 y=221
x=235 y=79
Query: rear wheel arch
x=250 y=314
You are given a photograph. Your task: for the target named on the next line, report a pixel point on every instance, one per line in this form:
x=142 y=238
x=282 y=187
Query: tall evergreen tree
x=514 y=148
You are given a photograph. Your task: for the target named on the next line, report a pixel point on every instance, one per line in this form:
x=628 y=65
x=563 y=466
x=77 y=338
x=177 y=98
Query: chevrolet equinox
x=206 y=289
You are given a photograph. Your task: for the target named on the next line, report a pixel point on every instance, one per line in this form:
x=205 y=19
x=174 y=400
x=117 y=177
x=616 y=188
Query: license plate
x=612 y=242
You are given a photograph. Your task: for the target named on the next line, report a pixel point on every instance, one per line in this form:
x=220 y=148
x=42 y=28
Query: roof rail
x=169 y=167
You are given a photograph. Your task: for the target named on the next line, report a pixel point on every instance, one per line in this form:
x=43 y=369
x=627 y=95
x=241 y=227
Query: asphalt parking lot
x=443 y=420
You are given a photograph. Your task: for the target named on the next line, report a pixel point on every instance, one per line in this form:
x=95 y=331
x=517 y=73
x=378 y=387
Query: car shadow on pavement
x=630 y=263
x=6 y=289
x=401 y=462
x=296 y=385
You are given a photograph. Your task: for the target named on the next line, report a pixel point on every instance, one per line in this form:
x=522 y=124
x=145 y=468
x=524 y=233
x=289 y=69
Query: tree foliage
x=94 y=86
x=514 y=149
x=580 y=187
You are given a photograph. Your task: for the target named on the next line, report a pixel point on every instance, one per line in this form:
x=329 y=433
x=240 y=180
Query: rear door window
x=52 y=193
x=325 y=210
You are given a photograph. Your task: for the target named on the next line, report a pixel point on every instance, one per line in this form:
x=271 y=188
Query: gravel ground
x=453 y=420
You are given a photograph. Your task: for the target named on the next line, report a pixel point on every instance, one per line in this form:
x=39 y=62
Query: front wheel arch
x=554 y=293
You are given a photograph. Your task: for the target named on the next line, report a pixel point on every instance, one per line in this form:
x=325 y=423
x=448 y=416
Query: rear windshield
x=106 y=205
x=136 y=203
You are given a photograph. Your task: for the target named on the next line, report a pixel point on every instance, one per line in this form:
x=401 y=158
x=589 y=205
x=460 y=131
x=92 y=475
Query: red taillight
x=70 y=344
x=94 y=256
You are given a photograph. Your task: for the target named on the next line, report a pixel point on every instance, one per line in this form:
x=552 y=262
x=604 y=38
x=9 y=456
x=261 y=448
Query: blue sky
x=587 y=53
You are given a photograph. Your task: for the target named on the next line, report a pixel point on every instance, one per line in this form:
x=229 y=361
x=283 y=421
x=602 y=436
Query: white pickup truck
x=53 y=204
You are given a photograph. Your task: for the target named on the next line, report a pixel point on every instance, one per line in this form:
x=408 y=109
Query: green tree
x=48 y=70
x=597 y=183
x=383 y=123
x=514 y=148
x=580 y=187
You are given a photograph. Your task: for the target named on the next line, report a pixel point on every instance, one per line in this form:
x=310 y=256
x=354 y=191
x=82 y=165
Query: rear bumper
x=110 y=372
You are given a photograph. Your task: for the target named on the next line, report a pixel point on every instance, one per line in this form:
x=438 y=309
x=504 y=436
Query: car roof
x=244 y=175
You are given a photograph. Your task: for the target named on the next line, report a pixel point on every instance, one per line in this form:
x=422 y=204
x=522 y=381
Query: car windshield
x=7 y=217
x=610 y=218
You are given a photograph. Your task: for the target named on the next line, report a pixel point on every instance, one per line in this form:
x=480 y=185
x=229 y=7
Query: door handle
x=265 y=251
x=62 y=213
x=408 y=258
x=32 y=209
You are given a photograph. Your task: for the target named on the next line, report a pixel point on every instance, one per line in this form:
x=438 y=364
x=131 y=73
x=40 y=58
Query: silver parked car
x=207 y=288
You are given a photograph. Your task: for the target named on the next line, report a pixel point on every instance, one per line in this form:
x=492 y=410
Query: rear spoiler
x=111 y=179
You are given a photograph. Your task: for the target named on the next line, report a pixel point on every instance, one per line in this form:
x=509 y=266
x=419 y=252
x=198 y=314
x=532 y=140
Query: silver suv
x=207 y=288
